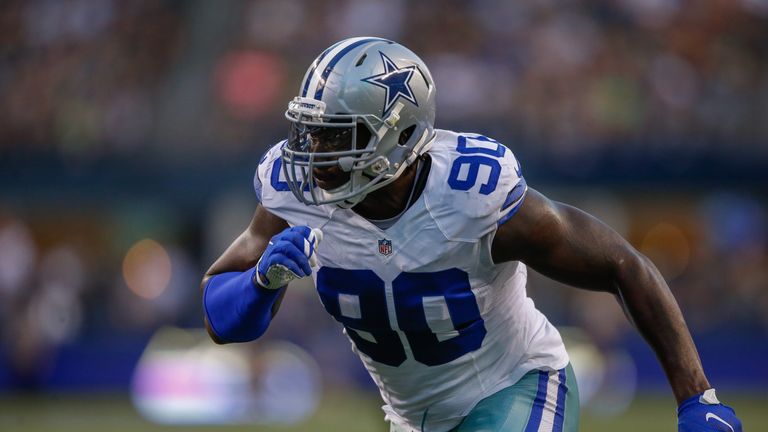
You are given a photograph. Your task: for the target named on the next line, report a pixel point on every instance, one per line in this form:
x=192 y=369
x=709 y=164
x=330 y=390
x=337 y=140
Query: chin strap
x=349 y=203
x=420 y=149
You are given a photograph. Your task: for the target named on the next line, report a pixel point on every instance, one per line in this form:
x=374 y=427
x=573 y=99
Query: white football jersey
x=437 y=324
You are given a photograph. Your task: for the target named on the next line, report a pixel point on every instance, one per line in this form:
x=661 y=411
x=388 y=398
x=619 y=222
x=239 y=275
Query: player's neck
x=391 y=200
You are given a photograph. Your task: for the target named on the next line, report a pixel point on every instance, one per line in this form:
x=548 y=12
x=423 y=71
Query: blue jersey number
x=357 y=299
x=475 y=152
x=274 y=179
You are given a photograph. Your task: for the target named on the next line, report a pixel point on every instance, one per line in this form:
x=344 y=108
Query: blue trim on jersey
x=515 y=194
x=562 y=389
x=507 y=216
x=314 y=66
x=328 y=69
x=538 y=404
x=514 y=210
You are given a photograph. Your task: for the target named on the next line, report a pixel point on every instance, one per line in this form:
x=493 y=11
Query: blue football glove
x=704 y=413
x=289 y=255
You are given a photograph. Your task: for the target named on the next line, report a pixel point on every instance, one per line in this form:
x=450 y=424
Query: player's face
x=326 y=140
x=319 y=140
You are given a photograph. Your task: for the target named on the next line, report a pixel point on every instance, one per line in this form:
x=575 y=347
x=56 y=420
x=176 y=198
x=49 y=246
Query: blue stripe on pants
x=538 y=404
x=562 y=389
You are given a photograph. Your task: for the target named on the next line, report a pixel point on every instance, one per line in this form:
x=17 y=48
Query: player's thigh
x=540 y=401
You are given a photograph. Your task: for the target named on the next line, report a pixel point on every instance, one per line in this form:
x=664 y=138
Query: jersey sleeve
x=479 y=185
x=516 y=194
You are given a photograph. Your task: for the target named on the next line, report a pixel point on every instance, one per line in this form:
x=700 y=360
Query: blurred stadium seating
x=130 y=130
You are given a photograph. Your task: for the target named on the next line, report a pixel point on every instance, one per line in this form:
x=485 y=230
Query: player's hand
x=704 y=413
x=289 y=255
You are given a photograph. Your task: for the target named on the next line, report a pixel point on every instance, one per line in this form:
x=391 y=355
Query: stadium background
x=130 y=131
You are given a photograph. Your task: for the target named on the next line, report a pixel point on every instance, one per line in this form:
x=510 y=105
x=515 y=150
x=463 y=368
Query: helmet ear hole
x=405 y=135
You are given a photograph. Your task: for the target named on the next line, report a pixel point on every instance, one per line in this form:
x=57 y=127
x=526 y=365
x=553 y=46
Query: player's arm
x=243 y=288
x=244 y=253
x=570 y=246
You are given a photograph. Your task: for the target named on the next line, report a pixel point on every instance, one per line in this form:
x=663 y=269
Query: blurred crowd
x=83 y=76
x=566 y=84
x=556 y=79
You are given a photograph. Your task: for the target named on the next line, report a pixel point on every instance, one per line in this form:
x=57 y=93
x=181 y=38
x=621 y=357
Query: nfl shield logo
x=385 y=247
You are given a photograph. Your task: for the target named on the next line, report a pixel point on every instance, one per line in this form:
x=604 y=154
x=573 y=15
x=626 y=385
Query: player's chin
x=330 y=183
x=329 y=179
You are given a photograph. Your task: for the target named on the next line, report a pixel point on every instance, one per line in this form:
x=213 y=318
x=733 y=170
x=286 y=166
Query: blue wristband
x=237 y=309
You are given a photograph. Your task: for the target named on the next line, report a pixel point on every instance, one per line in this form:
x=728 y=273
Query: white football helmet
x=366 y=107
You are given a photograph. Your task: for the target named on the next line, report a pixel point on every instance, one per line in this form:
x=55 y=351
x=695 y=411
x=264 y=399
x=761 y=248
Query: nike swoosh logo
x=714 y=416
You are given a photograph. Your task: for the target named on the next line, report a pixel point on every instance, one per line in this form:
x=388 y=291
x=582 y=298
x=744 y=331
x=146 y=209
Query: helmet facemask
x=335 y=143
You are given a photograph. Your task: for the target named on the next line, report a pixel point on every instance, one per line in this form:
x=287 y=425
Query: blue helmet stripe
x=336 y=59
x=317 y=62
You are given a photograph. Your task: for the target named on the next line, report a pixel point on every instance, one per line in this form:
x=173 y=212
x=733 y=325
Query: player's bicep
x=562 y=242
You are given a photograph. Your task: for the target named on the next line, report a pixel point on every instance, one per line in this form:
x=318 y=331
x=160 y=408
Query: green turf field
x=339 y=412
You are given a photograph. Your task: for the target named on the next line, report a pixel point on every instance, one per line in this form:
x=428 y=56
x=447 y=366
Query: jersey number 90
x=476 y=152
x=358 y=299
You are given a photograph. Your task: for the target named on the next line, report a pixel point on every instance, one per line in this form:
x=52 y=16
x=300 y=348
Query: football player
x=418 y=241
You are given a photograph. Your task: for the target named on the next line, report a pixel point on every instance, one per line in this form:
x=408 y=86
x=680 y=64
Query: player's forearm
x=240 y=256
x=653 y=309
x=236 y=308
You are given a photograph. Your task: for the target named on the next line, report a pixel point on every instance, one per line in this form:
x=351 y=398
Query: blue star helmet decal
x=395 y=81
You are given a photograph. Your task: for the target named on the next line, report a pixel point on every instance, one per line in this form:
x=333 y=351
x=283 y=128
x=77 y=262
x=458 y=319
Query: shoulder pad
x=274 y=194
x=475 y=185
x=269 y=166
